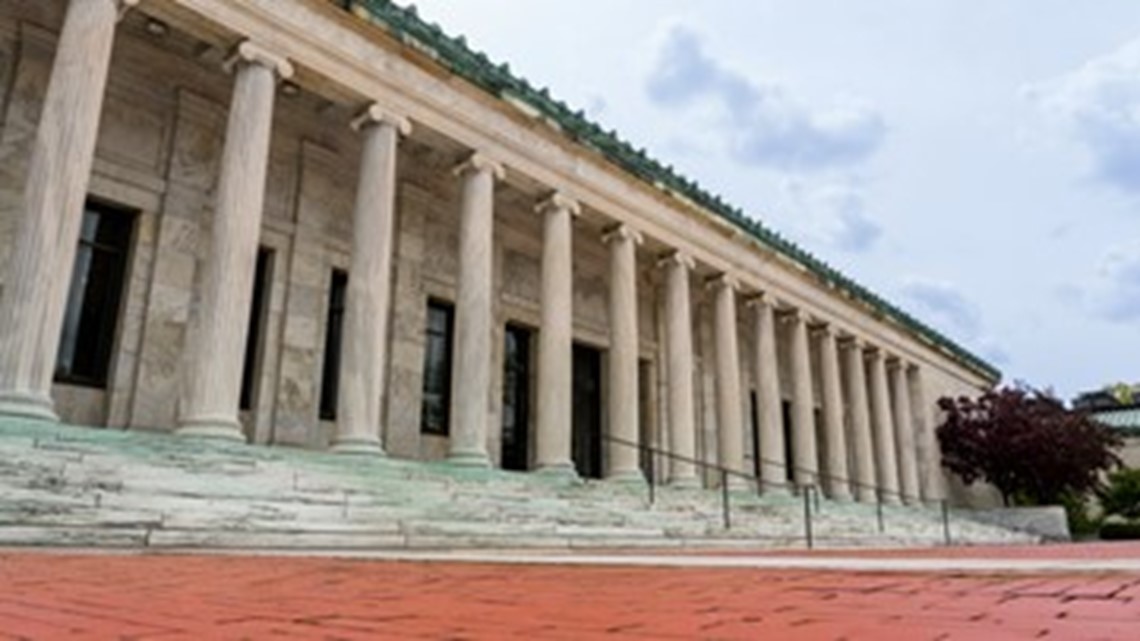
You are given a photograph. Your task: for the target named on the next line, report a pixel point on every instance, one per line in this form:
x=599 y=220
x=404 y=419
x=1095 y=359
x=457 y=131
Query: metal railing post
x=807 y=517
x=946 y=522
x=879 y=510
x=724 y=498
x=815 y=496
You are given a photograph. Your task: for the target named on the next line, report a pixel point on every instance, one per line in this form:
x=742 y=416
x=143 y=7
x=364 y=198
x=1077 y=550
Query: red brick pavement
x=167 y=598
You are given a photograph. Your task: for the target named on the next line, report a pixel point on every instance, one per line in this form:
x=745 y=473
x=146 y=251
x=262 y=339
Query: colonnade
x=871 y=433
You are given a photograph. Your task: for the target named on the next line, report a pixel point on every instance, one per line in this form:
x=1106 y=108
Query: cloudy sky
x=975 y=161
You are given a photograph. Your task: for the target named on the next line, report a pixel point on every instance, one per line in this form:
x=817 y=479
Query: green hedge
x=1120 y=531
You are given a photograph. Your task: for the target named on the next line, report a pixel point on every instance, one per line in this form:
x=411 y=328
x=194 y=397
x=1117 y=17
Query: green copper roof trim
x=454 y=54
x=1125 y=420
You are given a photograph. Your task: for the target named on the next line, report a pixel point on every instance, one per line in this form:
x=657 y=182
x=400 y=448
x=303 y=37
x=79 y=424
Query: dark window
x=789 y=448
x=516 y=398
x=93 y=300
x=586 y=413
x=754 y=414
x=330 y=374
x=437 y=369
x=261 y=278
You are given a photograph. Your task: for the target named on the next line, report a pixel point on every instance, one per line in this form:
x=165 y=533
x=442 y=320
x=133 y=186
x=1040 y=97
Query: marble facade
x=294 y=126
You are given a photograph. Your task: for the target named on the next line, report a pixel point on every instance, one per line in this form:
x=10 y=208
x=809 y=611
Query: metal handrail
x=810 y=492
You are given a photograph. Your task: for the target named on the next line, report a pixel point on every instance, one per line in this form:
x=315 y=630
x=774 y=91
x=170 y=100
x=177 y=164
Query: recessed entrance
x=587 y=412
x=516 y=399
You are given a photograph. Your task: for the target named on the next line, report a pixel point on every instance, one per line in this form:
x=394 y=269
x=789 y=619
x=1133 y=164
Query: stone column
x=837 y=477
x=886 y=463
x=213 y=361
x=679 y=352
x=930 y=476
x=364 y=345
x=38 y=271
x=730 y=423
x=860 y=421
x=803 y=404
x=621 y=373
x=773 y=466
x=471 y=369
x=556 y=338
x=904 y=432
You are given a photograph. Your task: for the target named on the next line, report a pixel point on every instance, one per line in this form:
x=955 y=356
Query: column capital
x=874 y=352
x=794 y=315
x=898 y=362
x=622 y=231
x=558 y=201
x=824 y=328
x=374 y=114
x=853 y=342
x=479 y=162
x=677 y=257
x=721 y=281
x=249 y=52
x=761 y=299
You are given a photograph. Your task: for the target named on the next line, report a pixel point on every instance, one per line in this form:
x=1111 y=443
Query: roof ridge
x=456 y=55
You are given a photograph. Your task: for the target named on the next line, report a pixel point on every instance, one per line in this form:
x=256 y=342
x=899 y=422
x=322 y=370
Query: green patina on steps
x=64 y=485
x=454 y=54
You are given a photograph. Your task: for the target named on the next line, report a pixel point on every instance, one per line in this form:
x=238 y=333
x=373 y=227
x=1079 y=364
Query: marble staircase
x=83 y=487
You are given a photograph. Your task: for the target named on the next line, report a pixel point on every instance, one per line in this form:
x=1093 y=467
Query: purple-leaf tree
x=1026 y=444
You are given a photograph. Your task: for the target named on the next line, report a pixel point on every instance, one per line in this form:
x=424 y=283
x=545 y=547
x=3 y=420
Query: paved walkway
x=94 y=596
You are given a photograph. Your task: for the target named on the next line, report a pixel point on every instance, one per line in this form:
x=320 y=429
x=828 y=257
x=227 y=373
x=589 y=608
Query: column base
x=473 y=458
x=685 y=483
x=627 y=477
x=27 y=405
x=565 y=471
x=220 y=429
x=361 y=446
x=842 y=496
x=771 y=488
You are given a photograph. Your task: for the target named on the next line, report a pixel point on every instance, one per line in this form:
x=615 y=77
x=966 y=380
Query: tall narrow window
x=334 y=327
x=516 y=399
x=253 y=338
x=789 y=446
x=93 y=300
x=437 y=369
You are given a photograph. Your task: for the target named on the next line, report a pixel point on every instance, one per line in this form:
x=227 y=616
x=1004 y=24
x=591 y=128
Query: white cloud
x=1099 y=104
x=1117 y=292
x=762 y=125
x=945 y=306
x=832 y=212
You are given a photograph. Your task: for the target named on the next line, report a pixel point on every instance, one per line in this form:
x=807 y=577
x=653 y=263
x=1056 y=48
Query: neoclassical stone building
x=327 y=225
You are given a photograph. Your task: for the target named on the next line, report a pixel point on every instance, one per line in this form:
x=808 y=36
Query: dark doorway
x=757 y=461
x=516 y=399
x=587 y=412
x=261 y=284
x=644 y=416
x=789 y=449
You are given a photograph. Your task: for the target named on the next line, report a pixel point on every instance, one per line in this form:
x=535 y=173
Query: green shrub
x=1122 y=495
x=1081 y=524
x=1120 y=531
